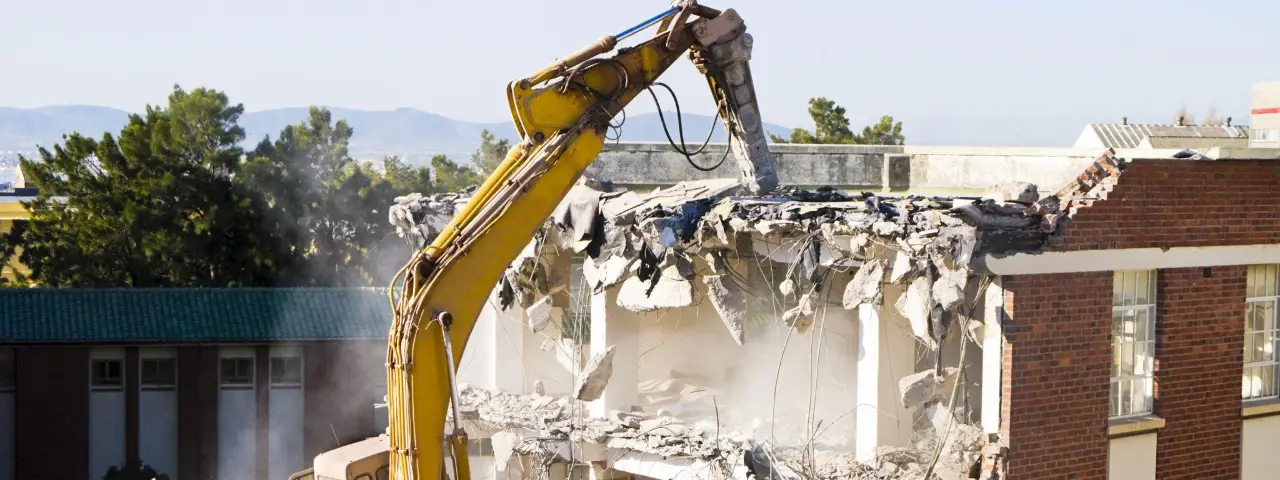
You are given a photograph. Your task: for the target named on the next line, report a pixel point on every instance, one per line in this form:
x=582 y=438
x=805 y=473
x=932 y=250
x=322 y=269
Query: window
x=577 y=320
x=105 y=374
x=286 y=371
x=237 y=372
x=158 y=373
x=1133 y=320
x=1260 y=332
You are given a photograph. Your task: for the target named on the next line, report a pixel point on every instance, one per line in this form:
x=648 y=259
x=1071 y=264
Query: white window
x=106 y=374
x=236 y=372
x=1133 y=341
x=1260 y=332
x=286 y=371
x=158 y=373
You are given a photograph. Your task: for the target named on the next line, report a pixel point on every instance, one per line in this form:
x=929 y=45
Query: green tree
x=155 y=206
x=884 y=132
x=406 y=178
x=831 y=126
x=328 y=208
x=491 y=152
x=451 y=177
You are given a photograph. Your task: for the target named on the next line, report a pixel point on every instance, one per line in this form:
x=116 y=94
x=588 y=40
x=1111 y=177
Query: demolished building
x=694 y=293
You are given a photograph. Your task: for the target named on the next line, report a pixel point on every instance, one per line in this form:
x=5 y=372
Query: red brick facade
x=1057 y=352
x=1057 y=365
x=52 y=406
x=1183 y=203
x=1199 y=344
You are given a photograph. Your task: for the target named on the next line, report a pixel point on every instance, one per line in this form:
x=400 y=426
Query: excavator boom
x=561 y=113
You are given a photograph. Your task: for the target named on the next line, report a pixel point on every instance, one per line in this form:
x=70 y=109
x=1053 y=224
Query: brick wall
x=1175 y=203
x=1199 y=344
x=1056 y=369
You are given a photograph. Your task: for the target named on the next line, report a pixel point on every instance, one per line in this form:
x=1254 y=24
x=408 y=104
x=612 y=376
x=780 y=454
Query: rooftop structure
x=1124 y=135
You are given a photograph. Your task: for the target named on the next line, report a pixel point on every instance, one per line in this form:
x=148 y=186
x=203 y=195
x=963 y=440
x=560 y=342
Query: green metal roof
x=178 y=315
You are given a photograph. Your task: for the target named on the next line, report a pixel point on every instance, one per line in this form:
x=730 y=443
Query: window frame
x=95 y=385
x=287 y=383
x=577 y=318
x=1144 y=326
x=1250 y=300
x=223 y=383
x=144 y=385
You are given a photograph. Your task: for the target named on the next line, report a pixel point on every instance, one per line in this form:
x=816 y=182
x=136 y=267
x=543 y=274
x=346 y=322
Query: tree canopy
x=831 y=126
x=174 y=200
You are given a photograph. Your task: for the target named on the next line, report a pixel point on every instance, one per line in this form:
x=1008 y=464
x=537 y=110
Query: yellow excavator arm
x=561 y=113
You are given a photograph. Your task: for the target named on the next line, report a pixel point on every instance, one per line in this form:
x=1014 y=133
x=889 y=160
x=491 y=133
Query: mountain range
x=408 y=132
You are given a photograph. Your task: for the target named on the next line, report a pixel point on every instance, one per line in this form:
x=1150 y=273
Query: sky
x=975 y=72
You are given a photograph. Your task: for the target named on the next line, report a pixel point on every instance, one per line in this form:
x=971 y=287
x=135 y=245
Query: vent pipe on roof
x=1124 y=120
x=1180 y=118
x=1228 y=121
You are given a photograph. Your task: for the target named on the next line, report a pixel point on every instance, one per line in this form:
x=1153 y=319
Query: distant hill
x=405 y=131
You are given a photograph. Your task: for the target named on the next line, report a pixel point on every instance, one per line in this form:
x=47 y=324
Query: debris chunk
x=504 y=444
x=917 y=305
x=901 y=267
x=595 y=376
x=730 y=303
x=800 y=317
x=539 y=314
x=539 y=388
x=922 y=387
x=1019 y=192
x=668 y=292
x=866 y=285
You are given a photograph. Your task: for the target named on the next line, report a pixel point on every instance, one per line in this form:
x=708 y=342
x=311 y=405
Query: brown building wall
x=52 y=409
x=1199 y=345
x=52 y=405
x=197 y=412
x=1055 y=381
x=338 y=385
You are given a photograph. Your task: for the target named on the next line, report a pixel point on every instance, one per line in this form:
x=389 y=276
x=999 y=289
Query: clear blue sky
x=1018 y=70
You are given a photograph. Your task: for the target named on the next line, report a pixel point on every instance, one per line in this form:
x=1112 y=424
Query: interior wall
x=805 y=383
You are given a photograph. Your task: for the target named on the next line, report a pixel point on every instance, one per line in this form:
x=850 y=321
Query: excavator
x=562 y=114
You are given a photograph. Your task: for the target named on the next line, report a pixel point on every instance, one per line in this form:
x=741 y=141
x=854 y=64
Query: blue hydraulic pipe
x=646 y=24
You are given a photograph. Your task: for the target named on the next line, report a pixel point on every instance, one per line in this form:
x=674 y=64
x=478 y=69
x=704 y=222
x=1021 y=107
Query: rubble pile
x=419 y=219
x=564 y=419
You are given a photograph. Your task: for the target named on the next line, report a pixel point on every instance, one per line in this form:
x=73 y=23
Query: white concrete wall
x=1133 y=458
x=1259 y=459
x=285 y=438
x=776 y=373
x=898 y=354
x=158 y=418
x=237 y=424
x=106 y=418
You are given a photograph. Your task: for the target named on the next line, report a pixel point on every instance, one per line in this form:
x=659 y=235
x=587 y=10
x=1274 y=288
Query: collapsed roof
x=650 y=243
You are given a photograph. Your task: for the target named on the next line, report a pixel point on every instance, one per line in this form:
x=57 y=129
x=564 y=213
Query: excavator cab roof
x=363 y=460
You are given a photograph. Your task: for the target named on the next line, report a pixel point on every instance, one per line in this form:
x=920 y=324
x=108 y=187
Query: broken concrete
x=595 y=376
x=730 y=303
